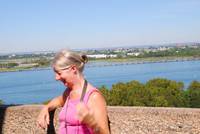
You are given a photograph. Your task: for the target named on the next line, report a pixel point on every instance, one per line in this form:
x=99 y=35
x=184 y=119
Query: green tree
x=106 y=93
x=157 y=92
x=195 y=85
x=43 y=62
x=194 y=94
x=118 y=92
x=1 y=102
x=172 y=92
x=8 y=65
x=12 y=64
x=159 y=101
x=156 y=97
x=128 y=94
x=137 y=95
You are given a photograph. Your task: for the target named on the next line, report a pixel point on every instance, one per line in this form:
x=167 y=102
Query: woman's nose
x=57 y=77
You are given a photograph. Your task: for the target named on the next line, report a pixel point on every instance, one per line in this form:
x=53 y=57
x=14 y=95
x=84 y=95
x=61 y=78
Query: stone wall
x=124 y=120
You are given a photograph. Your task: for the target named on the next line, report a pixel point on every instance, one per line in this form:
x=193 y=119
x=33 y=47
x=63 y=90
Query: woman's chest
x=68 y=113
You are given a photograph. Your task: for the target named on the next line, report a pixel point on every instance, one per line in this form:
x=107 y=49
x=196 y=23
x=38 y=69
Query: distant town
x=23 y=61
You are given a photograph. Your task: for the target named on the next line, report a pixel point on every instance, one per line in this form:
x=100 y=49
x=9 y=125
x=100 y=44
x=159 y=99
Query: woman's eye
x=58 y=73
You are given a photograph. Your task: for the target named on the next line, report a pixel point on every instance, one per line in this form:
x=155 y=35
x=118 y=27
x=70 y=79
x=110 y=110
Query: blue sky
x=43 y=25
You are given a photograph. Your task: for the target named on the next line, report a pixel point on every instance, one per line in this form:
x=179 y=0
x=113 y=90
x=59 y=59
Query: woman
x=83 y=106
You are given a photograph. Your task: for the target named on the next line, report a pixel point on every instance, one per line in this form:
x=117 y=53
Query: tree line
x=8 y=65
x=41 y=62
x=176 y=52
x=157 y=92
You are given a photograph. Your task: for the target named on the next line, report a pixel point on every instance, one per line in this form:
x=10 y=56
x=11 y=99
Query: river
x=37 y=86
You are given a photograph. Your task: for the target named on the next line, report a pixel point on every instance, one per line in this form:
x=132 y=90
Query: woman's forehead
x=57 y=68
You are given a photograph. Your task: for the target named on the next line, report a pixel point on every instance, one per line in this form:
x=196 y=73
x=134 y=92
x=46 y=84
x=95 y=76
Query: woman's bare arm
x=97 y=104
x=43 y=118
x=94 y=114
x=57 y=101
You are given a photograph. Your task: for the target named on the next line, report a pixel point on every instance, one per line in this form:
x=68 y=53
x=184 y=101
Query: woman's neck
x=77 y=88
x=78 y=83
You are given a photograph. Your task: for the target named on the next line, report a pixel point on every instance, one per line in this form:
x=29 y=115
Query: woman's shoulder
x=91 y=92
x=94 y=94
x=96 y=99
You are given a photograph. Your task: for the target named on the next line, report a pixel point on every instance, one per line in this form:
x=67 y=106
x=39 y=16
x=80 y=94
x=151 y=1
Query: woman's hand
x=43 y=118
x=94 y=114
x=85 y=115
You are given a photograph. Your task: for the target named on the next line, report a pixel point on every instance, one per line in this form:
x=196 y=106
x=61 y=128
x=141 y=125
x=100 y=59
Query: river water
x=37 y=86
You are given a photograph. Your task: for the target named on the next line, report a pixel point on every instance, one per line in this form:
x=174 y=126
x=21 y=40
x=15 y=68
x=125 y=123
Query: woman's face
x=65 y=76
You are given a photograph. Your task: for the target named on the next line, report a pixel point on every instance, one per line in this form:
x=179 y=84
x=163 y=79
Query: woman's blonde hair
x=66 y=58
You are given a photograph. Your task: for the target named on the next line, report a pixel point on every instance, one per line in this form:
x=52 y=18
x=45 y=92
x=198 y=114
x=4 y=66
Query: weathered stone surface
x=148 y=120
x=124 y=120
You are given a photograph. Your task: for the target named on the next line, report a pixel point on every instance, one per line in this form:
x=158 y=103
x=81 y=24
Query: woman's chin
x=65 y=84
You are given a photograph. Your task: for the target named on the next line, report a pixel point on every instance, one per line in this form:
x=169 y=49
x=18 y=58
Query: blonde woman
x=83 y=106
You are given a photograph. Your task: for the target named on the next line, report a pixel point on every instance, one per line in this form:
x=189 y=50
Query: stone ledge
x=124 y=120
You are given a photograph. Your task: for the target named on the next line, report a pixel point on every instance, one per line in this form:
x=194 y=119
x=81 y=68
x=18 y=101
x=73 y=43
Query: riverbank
x=111 y=62
x=115 y=62
x=156 y=59
x=18 y=69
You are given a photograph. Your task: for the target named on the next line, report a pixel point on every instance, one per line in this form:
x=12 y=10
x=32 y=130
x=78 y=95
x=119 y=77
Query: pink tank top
x=69 y=123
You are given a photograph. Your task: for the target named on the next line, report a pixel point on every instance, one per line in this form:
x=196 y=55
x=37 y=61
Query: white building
x=135 y=54
x=102 y=56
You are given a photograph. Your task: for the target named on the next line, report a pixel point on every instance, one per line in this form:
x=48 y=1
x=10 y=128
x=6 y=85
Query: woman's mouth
x=64 y=82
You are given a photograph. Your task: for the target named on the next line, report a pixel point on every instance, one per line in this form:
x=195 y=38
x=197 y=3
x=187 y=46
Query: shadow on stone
x=109 y=124
x=51 y=128
x=2 y=113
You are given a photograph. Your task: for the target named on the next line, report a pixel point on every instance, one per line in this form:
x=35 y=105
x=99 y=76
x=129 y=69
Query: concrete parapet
x=123 y=120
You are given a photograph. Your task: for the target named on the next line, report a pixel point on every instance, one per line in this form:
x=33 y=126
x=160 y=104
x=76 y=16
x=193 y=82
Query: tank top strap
x=88 y=93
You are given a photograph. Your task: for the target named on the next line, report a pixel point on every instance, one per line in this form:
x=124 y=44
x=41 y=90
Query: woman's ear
x=74 y=69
